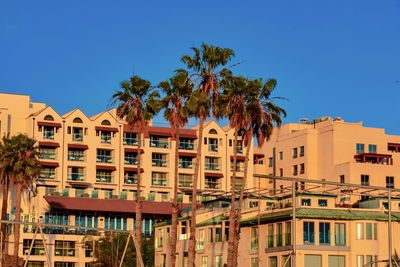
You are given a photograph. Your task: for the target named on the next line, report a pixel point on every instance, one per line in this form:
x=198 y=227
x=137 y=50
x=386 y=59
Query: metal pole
x=293 y=237
x=390 y=227
x=30 y=248
x=45 y=246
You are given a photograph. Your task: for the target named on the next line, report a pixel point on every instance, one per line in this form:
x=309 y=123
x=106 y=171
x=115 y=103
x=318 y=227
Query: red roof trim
x=187 y=154
x=132 y=169
x=212 y=174
x=51 y=124
x=106 y=129
x=133 y=150
x=106 y=168
x=51 y=144
x=78 y=146
x=49 y=164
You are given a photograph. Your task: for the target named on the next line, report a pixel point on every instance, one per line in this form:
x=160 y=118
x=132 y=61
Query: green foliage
x=109 y=250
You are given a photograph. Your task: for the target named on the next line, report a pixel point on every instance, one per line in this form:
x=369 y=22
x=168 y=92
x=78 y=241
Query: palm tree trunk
x=4 y=215
x=192 y=240
x=17 y=218
x=239 y=210
x=232 y=212
x=174 y=226
x=138 y=230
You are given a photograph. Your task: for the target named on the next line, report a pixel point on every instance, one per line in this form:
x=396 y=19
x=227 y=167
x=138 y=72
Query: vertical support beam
x=294 y=234
x=45 y=246
x=390 y=227
x=30 y=248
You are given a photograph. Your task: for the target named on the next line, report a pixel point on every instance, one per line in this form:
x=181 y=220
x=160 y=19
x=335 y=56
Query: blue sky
x=338 y=58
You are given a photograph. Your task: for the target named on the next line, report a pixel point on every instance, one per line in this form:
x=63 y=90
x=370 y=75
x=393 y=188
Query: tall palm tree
x=177 y=92
x=6 y=163
x=137 y=103
x=25 y=169
x=207 y=69
x=262 y=115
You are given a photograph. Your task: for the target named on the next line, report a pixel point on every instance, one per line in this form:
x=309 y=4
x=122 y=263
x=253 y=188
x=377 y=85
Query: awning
x=187 y=154
x=130 y=129
x=106 y=129
x=78 y=146
x=106 y=168
x=213 y=174
x=188 y=133
x=79 y=183
x=238 y=157
x=49 y=164
x=132 y=169
x=108 y=205
x=134 y=150
x=50 y=124
x=50 y=144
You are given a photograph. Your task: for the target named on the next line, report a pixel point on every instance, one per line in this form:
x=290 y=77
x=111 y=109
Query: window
x=159 y=179
x=312 y=260
x=159 y=141
x=254 y=262
x=75 y=174
x=204 y=261
x=273 y=261
x=360 y=231
x=130 y=177
x=302 y=168
x=37 y=249
x=130 y=139
x=77 y=120
x=159 y=160
x=288 y=235
x=130 y=158
x=286 y=261
x=35 y=264
x=295 y=152
x=186 y=144
x=185 y=180
x=368 y=231
x=218 y=261
x=389 y=182
x=201 y=240
x=159 y=238
x=365 y=179
x=185 y=162
x=212 y=131
x=106 y=122
x=47 y=153
x=372 y=148
x=105 y=137
x=281 y=172
x=77 y=134
x=324 y=233
x=295 y=170
x=47 y=173
x=302 y=151
x=48 y=132
x=322 y=202
x=76 y=154
x=212 y=164
x=308 y=233
x=64 y=248
x=306 y=202
x=375 y=231
x=342 y=179
x=359 y=148
x=48 y=118
x=254 y=239
x=213 y=144
x=270 y=162
x=64 y=264
x=270 y=242
x=104 y=176
x=336 y=261
x=360 y=261
x=279 y=238
x=281 y=155
x=340 y=234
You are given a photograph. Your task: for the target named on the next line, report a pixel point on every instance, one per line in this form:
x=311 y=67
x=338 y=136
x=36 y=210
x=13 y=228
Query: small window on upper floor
x=372 y=148
x=281 y=155
x=295 y=151
x=106 y=122
x=302 y=151
x=77 y=120
x=342 y=179
x=212 y=131
x=306 y=202
x=48 y=118
x=360 y=148
x=322 y=203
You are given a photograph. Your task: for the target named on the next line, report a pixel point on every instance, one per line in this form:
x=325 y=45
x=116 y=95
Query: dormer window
x=48 y=118
x=77 y=120
x=212 y=131
x=106 y=123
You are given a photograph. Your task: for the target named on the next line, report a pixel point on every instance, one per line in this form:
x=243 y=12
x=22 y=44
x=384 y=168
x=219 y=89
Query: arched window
x=212 y=131
x=48 y=118
x=77 y=120
x=106 y=122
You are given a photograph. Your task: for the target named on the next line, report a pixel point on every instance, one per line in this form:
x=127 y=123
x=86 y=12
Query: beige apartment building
x=90 y=170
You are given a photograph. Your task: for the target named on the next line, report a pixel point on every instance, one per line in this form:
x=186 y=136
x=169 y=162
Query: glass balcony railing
x=46 y=174
x=159 y=143
x=105 y=139
x=104 y=159
x=48 y=135
x=76 y=177
x=186 y=146
x=159 y=181
x=129 y=141
x=213 y=147
x=131 y=160
x=130 y=180
x=185 y=164
x=77 y=137
x=48 y=155
x=104 y=179
x=212 y=166
x=186 y=184
x=76 y=157
x=159 y=162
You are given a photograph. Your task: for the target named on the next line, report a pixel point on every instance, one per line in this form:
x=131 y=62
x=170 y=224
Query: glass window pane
x=313 y=260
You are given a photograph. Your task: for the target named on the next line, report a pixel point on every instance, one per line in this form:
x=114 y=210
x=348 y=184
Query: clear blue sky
x=338 y=58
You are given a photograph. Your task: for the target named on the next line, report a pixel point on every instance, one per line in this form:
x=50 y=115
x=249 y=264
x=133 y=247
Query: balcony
x=73 y=156
x=131 y=160
x=130 y=180
x=239 y=168
x=159 y=181
x=78 y=137
x=374 y=158
x=212 y=184
x=186 y=145
x=47 y=174
x=104 y=178
x=76 y=177
x=213 y=147
x=394 y=147
x=48 y=155
x=185 y=164
x=130 y=141
x=239 y=149
x=48 y=134
x=104 y=159
x=105 y=139
x=210 y=166
x=159 y=143
x=159 y=163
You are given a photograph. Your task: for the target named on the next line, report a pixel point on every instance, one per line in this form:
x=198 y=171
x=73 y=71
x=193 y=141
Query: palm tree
x=177 y=92
x=25 y=168
x=206 y=68
x=262 y=115
x=137 y=103
x=5 y=179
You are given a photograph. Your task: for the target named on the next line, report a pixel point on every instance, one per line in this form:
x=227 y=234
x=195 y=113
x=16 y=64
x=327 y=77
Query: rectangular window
x=281 y=155
x=48 y=132
x=201 y=240
x=359 y=148
x=104 y=156
x=306 y=202
x=295 y=170
x=213 y=144
x=342 y=179
x=389 y=182
x=302 y=151
x=368 y=231
x=288 y=233
x=281 y=172
x=302 y=168
x=365 y=179
x=369 y=260
x=212 y=164
x=295 y=152
x=103 y=176
x=37 y=249
x=324 y=233
x=270 y=242
x=270 y=162
x=254 y=239
x=254 y=262
x=336 y=261
x=185 y=180
x=279 y=238
x=322 y=202
x=273 y=261
x=64 y=248
x=159 y=179
x=47 y=153
x=218 y=261
x=360 y=231
x=158 y=160
x=76 y=154
x=308 y=233
x=340 y=234
x=313 y=260
x=372 y=148
x=375 y=231
x=105 y=137
x=204 y=261
x=286 y=261
x=360 y=261
x=130 y=139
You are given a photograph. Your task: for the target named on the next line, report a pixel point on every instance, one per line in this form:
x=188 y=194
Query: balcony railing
x=77 y=137
x=213 y=147
x=47 y=175
x=239 y=149
x=76 y=157
x=212 y=185
x=129 y=141
x=76 y=177
x=131 y=160
x=186 y=145
x=130 y=180
x=105 y=139
x=104 y=178
x=48 y=155
x=159 y=181
x=185 y=164
x=186 y=184
x=104 y=159
x=159 y=143
x=159 y=162
x=48 y=135
x=239 y=168
x=212 y=166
